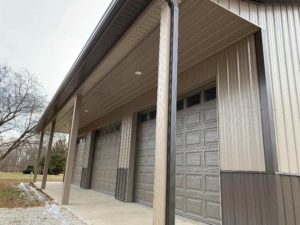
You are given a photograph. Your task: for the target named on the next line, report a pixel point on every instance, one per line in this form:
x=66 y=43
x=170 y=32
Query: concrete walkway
x=100 y=209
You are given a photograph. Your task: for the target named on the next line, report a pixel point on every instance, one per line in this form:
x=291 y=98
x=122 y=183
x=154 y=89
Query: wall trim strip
x=265 y=91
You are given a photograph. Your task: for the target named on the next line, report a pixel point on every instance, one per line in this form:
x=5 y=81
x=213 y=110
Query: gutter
x=276 y=2
x=172 y=111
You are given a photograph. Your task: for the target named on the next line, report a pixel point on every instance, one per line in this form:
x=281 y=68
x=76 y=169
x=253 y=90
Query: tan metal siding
x=241 y=145
x=283 y=31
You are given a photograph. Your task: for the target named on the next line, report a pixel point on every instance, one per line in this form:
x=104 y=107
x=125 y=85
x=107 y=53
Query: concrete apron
x=97 y=208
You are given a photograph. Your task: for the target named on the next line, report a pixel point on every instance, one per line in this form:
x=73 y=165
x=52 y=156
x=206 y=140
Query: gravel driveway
x=49 y=215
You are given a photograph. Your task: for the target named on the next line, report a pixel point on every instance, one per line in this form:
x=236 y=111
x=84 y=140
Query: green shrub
x=57 y=159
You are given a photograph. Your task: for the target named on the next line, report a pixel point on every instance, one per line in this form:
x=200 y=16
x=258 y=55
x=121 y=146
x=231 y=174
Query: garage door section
x=197 y=165
x=78 y=161
x=144 y=167
x=105 y=160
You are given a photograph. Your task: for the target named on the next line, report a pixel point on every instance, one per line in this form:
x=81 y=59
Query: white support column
x=161 y=139
x=71 y=151
x=38 y=156
x=48 y=155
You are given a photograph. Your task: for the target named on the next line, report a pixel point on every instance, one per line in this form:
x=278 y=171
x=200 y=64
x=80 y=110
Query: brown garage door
x=197 y=164
x=78 y=161
x=105 y=161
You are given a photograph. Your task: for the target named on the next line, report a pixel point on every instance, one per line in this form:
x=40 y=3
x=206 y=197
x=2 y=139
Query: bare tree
x=21 y=103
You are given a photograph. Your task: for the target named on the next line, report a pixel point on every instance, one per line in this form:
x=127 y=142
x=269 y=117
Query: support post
x=66 y=155
x=48 y=155
x=38 y=156
x=125 y=171
x=165 y=152
x=71 y=152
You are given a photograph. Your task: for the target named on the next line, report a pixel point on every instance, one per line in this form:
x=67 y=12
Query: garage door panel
x=106 y=160
x=211 y=160
x=193 y=159
x=210 y=136
x=193 y=118
x=180 y=160
x=213 y=210
x=193 y=138
x=197 y=163
x=179 y=121
x=210 y=114
x=78 y=162
x=194 y=207
x=212 y=184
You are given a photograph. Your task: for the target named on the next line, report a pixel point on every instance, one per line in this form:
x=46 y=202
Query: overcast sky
x=46 y=36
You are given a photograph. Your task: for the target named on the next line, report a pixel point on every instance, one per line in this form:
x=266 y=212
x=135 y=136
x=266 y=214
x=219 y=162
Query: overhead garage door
x=105 y=161
x=197 y=164
x=78 y=161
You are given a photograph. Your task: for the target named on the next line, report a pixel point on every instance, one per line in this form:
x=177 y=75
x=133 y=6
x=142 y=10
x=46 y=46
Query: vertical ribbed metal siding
x=283 y=31
x=260 y=199
x=288 y=199
x=249 y=199
x=241 y=145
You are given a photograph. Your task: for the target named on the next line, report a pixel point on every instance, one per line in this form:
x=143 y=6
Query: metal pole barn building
x=191 y=107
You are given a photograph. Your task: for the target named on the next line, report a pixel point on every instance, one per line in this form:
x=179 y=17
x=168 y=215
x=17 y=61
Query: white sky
x=46 y=36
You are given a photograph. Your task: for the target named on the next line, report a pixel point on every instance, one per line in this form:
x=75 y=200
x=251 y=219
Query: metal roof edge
x=276 y=2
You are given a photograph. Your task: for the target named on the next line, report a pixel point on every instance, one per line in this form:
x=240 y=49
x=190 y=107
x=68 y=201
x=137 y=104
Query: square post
x=38 y=156
x=48 y=155
x=71 y=152
x=125 y=171
x=165 y=152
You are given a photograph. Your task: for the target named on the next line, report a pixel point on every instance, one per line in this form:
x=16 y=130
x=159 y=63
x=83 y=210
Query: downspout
x=172 y=108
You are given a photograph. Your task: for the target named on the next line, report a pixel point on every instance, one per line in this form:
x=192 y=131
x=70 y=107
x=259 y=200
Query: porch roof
x=125 y=41
x=116 y=20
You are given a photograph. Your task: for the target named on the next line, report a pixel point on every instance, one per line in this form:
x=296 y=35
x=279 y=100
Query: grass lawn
x=6 y=177
x=13 y=197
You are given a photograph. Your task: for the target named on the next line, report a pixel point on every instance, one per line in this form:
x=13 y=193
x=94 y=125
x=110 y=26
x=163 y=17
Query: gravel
x=50 y=214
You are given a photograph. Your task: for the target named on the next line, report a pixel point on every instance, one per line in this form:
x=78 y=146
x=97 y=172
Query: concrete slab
x=96 y=208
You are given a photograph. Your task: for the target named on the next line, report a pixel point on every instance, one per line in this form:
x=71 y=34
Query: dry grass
x=20 y=177
x=13 y=197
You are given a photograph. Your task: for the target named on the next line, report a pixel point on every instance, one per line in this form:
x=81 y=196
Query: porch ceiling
x=204 y=29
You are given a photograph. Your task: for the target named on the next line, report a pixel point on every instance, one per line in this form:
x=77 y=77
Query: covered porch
x=98 y=208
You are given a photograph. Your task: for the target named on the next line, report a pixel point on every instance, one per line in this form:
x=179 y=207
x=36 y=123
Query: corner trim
x=265 y=92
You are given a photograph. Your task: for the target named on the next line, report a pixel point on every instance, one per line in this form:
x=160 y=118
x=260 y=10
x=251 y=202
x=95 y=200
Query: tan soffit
x=205 y=29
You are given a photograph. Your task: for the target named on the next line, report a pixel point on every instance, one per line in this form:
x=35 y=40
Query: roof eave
x=91 y=54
